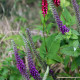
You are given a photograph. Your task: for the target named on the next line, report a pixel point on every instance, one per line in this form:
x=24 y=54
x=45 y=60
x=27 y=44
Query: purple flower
x=32 y=68
x=20 y=64
x=31 y=65
x=43 y=63
x=51 y=72
x=76 y=8
x=62 y=27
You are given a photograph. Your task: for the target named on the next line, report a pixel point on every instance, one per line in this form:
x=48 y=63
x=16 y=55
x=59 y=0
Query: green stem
x=44 y=35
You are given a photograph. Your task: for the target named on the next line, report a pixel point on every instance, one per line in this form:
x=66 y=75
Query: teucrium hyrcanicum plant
x=59 y=48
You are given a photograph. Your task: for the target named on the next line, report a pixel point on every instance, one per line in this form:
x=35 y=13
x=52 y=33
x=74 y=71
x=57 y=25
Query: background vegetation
x=16 y=16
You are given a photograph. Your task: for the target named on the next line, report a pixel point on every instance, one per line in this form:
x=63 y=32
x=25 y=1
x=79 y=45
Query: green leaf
x=50 y=61
x=52 y=47
x=12 y=77
x=1 y=35
x=8 y=59
x=2 y=78
x=78 y=60
x=66 y=17
x=74 y=32
x=76 y=43
x=74 y=65
x=74 y=36
x=19 y=18
x=0 y=65
x=5 y=72
x=39 y=27
x=59 y=36
x=62 y=19
x=69 y=50
x=66 y=60
x=42 y=50
x=64 y=74
x=32 y=78
x=35 y=38
x=41 y=16
x=49 y=26
x=65 y=3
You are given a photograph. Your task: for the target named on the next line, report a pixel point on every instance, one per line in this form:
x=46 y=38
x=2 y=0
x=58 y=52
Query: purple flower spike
x=31 y=65
x=51 y=72
x=76 y=8
x=32 y=68
x=43 y=63
x=20 y=64
x=62 y=27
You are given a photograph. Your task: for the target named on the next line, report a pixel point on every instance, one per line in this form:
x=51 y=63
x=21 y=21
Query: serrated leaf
x=52 y=47
x=68 y=50
x=59 y=36
x=76 y=43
